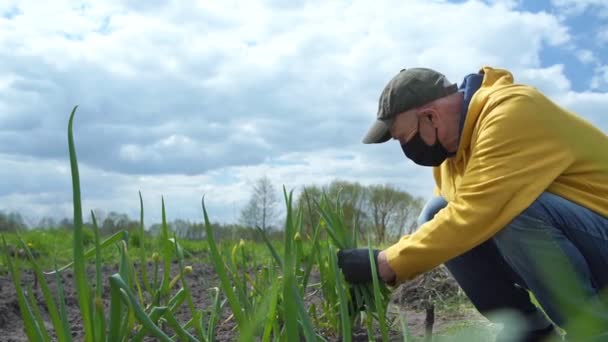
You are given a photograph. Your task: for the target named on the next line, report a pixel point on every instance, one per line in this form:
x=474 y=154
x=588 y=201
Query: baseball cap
x=409 y=89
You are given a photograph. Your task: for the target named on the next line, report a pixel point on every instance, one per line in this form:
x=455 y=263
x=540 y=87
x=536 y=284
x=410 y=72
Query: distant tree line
x=383 y=211
x=11 y=222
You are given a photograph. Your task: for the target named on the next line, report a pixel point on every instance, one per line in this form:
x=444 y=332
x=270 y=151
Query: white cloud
x=550 y=80
x=576 y=7
x=184 y=100
x=587 y=56
x=590 y=105
x=600 y=78
x=508 y=4
x=602 y=35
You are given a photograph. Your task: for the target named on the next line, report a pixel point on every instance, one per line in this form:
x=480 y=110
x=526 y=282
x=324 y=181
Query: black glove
x=355 y=264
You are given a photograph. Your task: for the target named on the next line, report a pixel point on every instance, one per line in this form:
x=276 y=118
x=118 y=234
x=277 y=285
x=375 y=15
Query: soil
x=202 y=278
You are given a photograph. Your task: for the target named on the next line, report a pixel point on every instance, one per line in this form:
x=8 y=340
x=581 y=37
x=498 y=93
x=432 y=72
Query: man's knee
x=432 y=207
x=532 y=220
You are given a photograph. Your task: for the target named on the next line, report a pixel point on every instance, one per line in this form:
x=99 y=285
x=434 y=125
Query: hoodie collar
x=468 y=87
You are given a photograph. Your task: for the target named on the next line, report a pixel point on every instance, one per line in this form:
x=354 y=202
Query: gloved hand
x=355 y=265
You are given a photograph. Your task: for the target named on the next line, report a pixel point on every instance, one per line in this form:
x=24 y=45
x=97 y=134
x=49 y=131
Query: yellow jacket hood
x=493 y=79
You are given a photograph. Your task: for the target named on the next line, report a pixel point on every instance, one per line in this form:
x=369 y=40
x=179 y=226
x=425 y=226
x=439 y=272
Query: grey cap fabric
x=409 y=89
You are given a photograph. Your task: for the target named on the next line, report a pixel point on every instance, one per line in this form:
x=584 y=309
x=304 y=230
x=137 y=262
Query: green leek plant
x=286 y=315
x=374 y=297
x=135 y=311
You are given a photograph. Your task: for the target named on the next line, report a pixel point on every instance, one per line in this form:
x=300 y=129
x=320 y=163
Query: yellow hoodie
x=515 y=144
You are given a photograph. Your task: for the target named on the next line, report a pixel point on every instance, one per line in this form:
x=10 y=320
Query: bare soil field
x=447 y=319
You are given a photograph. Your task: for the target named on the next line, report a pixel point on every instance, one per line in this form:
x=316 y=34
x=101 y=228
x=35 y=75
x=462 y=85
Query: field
x=454 y=315
x=77 y=285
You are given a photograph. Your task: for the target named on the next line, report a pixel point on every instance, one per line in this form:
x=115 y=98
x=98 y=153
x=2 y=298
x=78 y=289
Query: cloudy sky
x=182 y=100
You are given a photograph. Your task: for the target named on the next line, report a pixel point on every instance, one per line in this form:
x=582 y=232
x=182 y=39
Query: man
x=521 y=199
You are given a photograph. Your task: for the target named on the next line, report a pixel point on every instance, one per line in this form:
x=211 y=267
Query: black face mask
x=422 y=154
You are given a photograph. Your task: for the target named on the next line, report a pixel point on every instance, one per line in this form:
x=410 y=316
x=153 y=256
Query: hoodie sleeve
x=515 y=156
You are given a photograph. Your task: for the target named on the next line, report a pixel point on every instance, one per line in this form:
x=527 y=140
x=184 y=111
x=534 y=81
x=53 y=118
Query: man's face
x=407 y=124
x=433 y=122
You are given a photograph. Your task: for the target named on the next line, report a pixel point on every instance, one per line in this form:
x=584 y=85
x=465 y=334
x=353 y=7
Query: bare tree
x=261 y=209
x=409 y=216
x=383 y=210
x=352 y=199
x=115 y=222
x=391 y=210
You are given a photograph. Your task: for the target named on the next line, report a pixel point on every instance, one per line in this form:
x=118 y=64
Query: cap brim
x=378 y=133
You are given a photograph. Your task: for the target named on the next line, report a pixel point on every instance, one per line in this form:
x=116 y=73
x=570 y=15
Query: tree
x=115 y=222
x=409 y=216
x=352 y=200
x=47 y=222
x=66 y=223
x=11 y=222
x=391 y=210
x=181 y=227
x=196 y=231
x=261 y=209
x=383 y=210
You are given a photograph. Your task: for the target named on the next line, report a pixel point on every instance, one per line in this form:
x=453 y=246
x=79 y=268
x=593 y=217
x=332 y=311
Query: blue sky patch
x=12 y=12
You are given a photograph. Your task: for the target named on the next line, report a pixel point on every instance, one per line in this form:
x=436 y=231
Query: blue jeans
x=534 y=252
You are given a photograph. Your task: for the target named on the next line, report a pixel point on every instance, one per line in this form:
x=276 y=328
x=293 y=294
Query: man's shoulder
x=513 y=92
x=515 y=100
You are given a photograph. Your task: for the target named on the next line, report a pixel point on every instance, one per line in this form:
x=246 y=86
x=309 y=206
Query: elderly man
x=520 y=203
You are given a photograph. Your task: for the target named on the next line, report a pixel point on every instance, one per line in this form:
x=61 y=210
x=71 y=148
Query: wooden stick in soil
x=429 y=321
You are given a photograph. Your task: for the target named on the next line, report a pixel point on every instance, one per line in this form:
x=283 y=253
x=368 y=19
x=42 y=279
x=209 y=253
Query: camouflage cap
x=409 y=89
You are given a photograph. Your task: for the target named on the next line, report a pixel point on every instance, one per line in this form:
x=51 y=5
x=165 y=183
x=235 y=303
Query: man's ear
x=431 y=115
